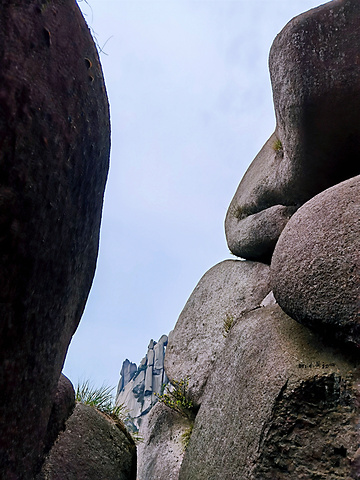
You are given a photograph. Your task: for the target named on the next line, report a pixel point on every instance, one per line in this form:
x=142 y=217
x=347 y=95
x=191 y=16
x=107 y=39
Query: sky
x=191 y=106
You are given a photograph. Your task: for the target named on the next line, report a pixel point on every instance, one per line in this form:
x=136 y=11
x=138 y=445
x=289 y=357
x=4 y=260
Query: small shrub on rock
x=177 y=398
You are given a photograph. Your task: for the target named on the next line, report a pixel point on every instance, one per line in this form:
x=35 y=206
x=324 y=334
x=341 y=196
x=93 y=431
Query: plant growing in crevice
x=238 y=212
x=228 y=324
x=177 y=398
x=185 y=437
x=278 y=146
x=102 y=399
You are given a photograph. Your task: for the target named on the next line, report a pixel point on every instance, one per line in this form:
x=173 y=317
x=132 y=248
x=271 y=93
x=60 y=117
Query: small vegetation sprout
x=238 y=212
x=185 y=437
x=278 y=146
x=228 y=323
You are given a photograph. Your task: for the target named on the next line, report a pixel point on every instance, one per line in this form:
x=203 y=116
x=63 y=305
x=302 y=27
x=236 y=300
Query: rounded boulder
x=315 y=268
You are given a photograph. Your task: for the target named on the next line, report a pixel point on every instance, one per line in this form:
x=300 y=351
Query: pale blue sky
x=191 y=106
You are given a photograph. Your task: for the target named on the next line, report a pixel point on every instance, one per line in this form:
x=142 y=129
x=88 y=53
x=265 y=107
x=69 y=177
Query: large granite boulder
x=315 y=75
x=92 y=447
x=316 y=263
x=221 y=296
x=161 y=453
x=279 y=404
x=54 y=131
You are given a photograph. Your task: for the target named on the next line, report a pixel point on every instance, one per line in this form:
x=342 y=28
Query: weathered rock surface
x=63 y=406
x=138 y=394
x=161 y=453
x=127 y=372
x=315 y=77
x=258 y=212
x=92 y=447
x=278 y=405
x=316 y=263
x=222 y=295
x=54 y=131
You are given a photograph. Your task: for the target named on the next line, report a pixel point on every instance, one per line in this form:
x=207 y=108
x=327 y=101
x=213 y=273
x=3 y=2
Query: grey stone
x=316 y=263
x=55 y=141
x=223 y=294
x=63 y=406
x=164 y=340
x=149 y=380
x=259 y=211
x=139 y=395
x=159 y=353
x=150 y=356
x=127 y=372
x=92 y=447
x=278 y=405
x=146 y=406
x=132 y=398
x=161 y=453
x=315 y=77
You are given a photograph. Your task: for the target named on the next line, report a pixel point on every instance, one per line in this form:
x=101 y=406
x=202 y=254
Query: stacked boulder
x=270 y=345
x=139 y=386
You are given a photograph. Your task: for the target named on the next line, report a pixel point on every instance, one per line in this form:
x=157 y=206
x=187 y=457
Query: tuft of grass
x=278 y=146
x=238 y=212
x=102 y=399
x=228 y=323
x=185 y=437
x=177 y=398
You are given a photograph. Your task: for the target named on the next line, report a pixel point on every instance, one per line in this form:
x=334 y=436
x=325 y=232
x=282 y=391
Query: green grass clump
x=102 y=399
x=185 y=437
x=238 y=212
x=177 y=398
x=228 y=323
x=278 y=146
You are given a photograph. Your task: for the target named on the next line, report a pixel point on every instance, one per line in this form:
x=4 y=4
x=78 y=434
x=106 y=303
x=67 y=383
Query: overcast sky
x=191 y=106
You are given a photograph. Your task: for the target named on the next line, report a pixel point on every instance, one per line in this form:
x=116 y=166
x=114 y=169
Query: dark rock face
x=278 y=404
x=92 y=447
x=315 y=74
x=316 y=263
x=63 y=406
x=295 y=444
x=222 y=295
x=54 y=150
x=315 y=77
